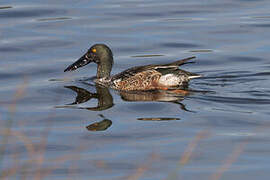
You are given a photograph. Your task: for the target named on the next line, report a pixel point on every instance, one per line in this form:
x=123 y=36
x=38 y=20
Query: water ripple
x=180 y=45
x=15 y=13
x=235 y=100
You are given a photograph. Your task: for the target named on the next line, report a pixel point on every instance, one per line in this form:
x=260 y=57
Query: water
x=57 y=125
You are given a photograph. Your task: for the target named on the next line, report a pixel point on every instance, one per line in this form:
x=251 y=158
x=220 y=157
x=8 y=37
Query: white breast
x=169 y=80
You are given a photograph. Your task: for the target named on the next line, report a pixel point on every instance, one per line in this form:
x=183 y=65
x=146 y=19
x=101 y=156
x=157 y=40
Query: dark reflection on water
x=100 y=126
x=5 y=7
x=82 y=95
x=180 y=45
x=159 y=96
x=54 y=19
x=158 y=119
x=103 y=95
x=105 y=101
x=231 y=42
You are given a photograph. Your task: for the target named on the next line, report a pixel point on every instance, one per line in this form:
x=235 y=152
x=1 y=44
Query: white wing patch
x=169 y=80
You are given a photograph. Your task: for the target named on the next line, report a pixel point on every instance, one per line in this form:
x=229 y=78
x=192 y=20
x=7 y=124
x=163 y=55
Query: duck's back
x=152 y=77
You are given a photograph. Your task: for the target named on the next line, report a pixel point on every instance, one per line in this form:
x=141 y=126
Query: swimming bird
x=139 y=78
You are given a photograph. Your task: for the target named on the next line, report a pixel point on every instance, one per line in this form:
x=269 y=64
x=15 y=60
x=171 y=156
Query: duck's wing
x=131 y=72
x=136 y=79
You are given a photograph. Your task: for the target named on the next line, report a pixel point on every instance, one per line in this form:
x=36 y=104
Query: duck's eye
x=94 y=50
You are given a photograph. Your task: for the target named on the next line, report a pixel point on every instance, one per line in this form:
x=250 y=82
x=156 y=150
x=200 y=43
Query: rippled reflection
x=101 y=125
x=105 y=101
x=157 y=119
x=103 y=95
x=158 y=96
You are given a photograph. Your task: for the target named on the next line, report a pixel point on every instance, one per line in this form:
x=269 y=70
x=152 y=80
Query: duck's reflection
x=158 y=96
x=103 y=95
x=105 y=101
x=100 y=126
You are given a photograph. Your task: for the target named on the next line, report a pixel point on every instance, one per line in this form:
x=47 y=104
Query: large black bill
x=79 y=63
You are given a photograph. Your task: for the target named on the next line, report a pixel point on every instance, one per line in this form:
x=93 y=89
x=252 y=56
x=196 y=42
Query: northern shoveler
x=140 y=78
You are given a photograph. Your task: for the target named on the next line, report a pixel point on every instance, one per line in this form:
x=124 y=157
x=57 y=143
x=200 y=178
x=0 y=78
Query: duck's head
x=99 y=54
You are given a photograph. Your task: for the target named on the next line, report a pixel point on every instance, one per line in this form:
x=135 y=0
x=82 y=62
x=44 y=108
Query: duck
x=140 y=78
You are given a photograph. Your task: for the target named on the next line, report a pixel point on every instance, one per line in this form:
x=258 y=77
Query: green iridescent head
x=99 y=54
